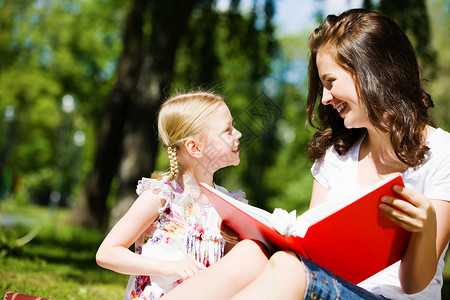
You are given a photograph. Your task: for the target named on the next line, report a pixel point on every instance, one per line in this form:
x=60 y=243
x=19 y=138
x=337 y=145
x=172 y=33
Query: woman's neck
x=377 y=143
x=377 y=153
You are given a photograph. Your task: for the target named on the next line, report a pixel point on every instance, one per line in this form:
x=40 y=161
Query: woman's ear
x=193 y=148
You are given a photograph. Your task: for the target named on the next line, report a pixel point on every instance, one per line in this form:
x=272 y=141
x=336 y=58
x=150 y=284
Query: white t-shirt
x=339 y=175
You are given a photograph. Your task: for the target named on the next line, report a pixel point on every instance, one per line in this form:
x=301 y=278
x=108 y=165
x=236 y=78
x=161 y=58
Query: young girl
x=172 y=224
x=367 y=102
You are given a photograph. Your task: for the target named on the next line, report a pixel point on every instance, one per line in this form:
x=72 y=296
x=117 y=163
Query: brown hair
x=378 y=54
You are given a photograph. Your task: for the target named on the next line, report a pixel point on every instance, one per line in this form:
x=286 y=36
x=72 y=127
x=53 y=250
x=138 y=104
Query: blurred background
x=80 y=85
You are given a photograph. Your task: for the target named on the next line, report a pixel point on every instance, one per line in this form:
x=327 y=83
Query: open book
x=350 y=237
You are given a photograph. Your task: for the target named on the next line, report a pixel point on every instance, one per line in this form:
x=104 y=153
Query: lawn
x=57 y=261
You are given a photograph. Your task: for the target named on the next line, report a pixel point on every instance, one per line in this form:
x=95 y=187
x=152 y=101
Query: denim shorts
x=322 y=284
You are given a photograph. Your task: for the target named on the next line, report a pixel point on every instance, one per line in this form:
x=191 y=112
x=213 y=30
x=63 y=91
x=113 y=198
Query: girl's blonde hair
x=181 y=117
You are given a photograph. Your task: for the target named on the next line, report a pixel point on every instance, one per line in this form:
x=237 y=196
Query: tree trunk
x=91 y=209
x=169 y=22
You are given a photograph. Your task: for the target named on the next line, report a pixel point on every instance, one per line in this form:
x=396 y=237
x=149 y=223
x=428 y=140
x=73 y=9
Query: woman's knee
x=249 y=249
x=246 y=258
x=287 y=263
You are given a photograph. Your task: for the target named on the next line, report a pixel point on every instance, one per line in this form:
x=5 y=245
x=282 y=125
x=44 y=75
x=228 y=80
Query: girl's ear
x=193 y=148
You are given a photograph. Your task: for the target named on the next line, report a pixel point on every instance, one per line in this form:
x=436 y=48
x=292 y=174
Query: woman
x=367 y=102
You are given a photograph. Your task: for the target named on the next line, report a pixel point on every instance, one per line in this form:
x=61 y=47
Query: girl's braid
x=172 y=152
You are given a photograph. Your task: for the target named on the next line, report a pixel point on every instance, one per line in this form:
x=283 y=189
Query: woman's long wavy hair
x=381 y=59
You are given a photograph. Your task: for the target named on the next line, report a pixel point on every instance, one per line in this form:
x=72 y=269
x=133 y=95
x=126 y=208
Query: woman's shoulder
x=439 y=142
x=431 y=177
x=438 y=137
x=437 y=160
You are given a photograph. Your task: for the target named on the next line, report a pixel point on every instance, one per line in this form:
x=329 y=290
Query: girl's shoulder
x=160 y=187
x=237 y=194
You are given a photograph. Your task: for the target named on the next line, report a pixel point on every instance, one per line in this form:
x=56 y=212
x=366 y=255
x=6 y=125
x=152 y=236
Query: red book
x=352 y=237
x=19 y=296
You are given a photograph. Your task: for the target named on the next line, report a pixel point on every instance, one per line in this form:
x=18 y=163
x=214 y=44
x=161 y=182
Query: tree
x=412 y=16
x=90 y=209
x=140 y=144
x=171 y=28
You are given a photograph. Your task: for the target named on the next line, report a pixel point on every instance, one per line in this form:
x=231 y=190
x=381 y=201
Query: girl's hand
x=228 y=234
x=415 y=215
x=182 y=268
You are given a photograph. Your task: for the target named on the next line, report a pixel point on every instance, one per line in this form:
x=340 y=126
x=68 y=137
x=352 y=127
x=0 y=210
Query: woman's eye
x=328 y=84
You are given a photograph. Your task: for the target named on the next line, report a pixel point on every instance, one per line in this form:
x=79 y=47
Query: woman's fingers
x=414 y=214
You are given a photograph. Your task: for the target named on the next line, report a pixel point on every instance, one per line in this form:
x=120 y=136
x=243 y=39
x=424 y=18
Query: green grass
x=59 y=262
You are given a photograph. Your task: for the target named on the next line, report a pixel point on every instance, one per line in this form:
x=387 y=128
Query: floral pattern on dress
x=185 y=228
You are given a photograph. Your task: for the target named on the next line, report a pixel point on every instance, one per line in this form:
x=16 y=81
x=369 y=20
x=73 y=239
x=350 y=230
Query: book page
x=260 y=214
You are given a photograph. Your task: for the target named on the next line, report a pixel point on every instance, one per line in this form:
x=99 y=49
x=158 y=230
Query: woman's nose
x=326 y=96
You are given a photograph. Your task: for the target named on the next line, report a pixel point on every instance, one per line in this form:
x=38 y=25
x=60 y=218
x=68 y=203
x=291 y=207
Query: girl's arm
x=319 y=194
x=114 y=254
x=430 y=232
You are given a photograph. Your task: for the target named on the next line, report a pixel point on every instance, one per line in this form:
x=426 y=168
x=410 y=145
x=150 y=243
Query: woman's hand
x=417 y=214
x=427 y=220
x=184 y=268
x=228 y=234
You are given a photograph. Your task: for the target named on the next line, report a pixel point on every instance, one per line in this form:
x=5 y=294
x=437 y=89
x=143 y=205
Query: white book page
x=256 y=212
x=260 y=214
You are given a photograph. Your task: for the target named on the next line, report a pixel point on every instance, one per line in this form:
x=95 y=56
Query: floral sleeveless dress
x=185 y=228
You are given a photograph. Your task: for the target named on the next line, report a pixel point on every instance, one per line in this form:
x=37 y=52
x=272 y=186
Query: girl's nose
x=327 y=97
x=237 y=134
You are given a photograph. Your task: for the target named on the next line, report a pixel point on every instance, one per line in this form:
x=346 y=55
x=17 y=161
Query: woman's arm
x=319 y=194
x=114 y=254
x=430 y=232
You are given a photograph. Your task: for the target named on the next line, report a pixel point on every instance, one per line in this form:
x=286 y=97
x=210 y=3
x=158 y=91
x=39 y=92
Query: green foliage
x=72 y=47
x=438 y=86
x=216 y=41
x=232 y=52
x=200 y=62
x=48 y=51
x=413 y=17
